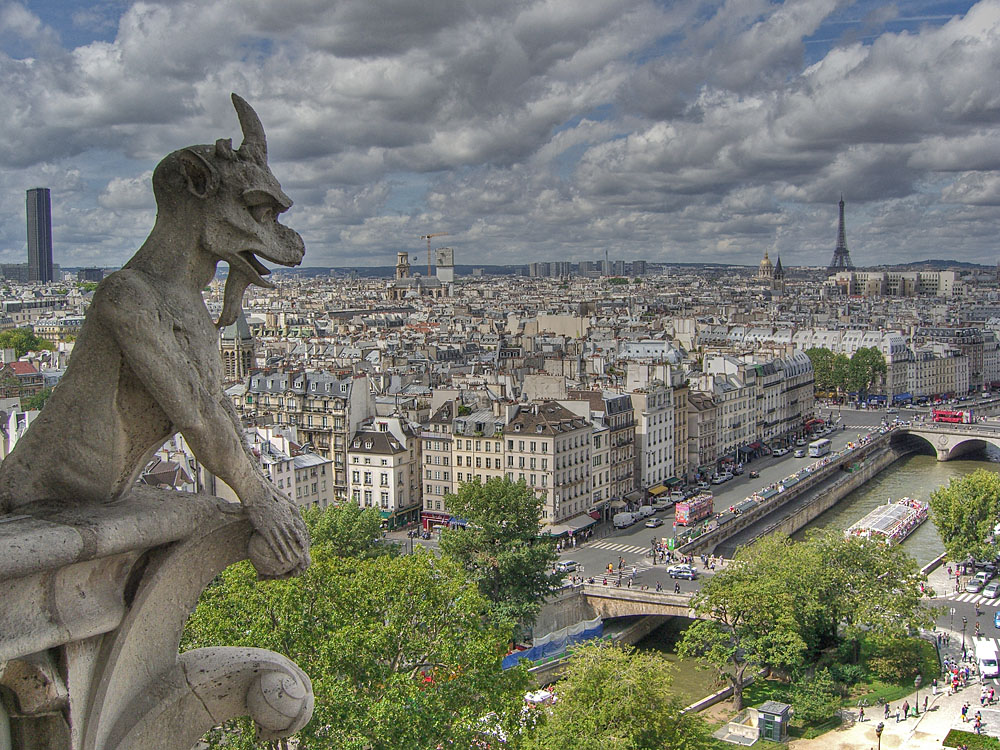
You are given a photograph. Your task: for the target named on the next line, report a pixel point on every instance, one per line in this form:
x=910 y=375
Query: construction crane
x=428 y=238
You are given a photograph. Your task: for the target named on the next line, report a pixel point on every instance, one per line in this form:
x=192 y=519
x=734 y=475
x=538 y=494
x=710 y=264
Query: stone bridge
x=571 y=604
x=621 y=601
x=951 y=440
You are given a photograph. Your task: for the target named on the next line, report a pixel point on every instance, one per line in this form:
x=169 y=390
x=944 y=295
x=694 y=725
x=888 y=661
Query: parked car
x=800 y=443
x=682 y=570
x=985 y=576
x=779 y=451
x=652 y=523
x=992 y=590
x=974 y=586
x=704 y=486
x=566 y=566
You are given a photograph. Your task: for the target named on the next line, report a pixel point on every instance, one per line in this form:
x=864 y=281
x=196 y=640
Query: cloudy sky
x=673 y=130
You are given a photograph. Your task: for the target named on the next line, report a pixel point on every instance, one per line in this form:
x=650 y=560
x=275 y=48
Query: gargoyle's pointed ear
x=202 y=178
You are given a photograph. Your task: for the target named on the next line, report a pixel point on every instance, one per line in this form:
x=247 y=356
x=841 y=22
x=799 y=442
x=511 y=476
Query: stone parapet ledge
x=94 y=602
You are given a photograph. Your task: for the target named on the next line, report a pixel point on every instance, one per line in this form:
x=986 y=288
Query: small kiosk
x=772 y=721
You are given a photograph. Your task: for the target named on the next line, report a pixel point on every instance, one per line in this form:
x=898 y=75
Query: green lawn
x=975 y=741
x=870 y=689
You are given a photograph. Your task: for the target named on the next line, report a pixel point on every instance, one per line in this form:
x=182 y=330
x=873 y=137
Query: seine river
x=914 y=476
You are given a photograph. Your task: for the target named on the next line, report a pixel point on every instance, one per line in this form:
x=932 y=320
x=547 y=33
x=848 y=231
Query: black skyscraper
x=39 y=210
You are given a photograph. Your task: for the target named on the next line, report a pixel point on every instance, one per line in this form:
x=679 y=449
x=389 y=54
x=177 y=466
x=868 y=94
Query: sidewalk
x=924 y=732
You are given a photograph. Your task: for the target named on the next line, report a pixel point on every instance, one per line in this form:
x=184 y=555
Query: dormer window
x=368 y=445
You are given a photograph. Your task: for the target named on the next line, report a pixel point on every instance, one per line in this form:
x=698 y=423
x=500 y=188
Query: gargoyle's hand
x=279 y=546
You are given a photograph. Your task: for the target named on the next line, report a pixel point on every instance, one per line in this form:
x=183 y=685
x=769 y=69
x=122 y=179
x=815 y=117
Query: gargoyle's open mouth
x=258 y=269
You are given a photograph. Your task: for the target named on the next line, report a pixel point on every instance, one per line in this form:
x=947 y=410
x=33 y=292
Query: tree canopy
x=614 y=698
x=401 y=650
x=966 y=512
x=500 y=547
x=780 y=603
x=837 y=372
x=38 y=400
x=22 y=341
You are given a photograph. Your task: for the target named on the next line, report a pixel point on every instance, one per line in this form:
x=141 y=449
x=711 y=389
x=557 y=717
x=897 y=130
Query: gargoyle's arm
x=162 y=361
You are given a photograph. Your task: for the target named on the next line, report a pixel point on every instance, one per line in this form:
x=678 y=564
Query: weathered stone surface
x=98 y=575
x=146 y=362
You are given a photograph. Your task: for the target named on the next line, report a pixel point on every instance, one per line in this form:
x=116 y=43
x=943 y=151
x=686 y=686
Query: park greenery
x=617 y=699
x=966 y=512
x=22 y=341
x=781 y=604
x=500 y=549
x=401 y=649
x=840 y=374
x=37 y=401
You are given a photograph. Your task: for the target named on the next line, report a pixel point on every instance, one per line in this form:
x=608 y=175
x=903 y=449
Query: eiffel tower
x=841 y=258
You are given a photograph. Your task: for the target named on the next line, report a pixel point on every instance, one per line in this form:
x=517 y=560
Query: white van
x=623 y=520
x=645 y=511
x=987 y=657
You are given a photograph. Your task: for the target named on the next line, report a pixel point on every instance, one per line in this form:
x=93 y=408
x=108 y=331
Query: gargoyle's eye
x=262 y=212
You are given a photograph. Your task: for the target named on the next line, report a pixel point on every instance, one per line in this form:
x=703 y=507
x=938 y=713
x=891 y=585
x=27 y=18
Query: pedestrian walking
x=965 y=712
x=906 y=709
x=677 y=587
x=897 y=714
x=861 y=713
x=887 y=710
x=925 y=704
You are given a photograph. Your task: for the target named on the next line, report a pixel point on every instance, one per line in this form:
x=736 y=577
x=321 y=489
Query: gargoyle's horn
x=254 y=141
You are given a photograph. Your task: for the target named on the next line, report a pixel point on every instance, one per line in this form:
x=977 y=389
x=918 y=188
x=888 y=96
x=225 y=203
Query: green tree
x=401 y=650
x=869 y=589
x=965 y=513
x=752 y=618
x=500 y=546
x=822 y=363
x=38 y=400
x=839 y=370
x=614 y=698
x=22 y=341
x=866 y=368
x=347 y=531
x=817 y=698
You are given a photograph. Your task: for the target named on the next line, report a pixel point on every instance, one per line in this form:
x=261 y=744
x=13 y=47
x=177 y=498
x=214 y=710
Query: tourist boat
x=890 y=523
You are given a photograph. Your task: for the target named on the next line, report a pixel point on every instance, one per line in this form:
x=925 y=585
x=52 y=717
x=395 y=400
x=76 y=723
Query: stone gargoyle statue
x=98 y=575
x=146 y=362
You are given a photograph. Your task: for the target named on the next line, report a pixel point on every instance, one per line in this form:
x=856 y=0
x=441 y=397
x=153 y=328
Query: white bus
x=819 y=447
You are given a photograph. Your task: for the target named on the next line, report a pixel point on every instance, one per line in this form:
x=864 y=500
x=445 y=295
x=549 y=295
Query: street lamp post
x=878 y=734
x=965 y=622
x=916 y=702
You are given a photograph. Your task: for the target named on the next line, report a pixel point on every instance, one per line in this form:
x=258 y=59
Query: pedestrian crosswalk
x=971 y=599
x=618 y=547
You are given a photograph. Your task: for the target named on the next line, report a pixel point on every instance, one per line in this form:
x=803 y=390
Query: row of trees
x=842 y=374
x=780 y=603
x=406 y=650
x=22 y=341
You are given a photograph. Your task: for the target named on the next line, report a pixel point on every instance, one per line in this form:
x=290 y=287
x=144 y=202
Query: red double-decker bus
x=948 y=415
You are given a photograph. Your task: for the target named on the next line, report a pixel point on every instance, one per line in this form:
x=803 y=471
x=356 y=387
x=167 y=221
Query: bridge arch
x=947 y=442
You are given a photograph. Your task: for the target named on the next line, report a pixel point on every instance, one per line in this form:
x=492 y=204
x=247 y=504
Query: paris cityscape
x=642 y=390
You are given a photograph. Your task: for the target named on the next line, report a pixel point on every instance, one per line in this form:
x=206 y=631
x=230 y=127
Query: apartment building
x=325 y=409
x=436 y=453
x=653 y=412
x=548 y=447
x=618 y=415
x=384 y=470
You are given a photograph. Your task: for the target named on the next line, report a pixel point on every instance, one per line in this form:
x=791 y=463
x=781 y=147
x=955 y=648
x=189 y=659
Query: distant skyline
x=673 y=131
